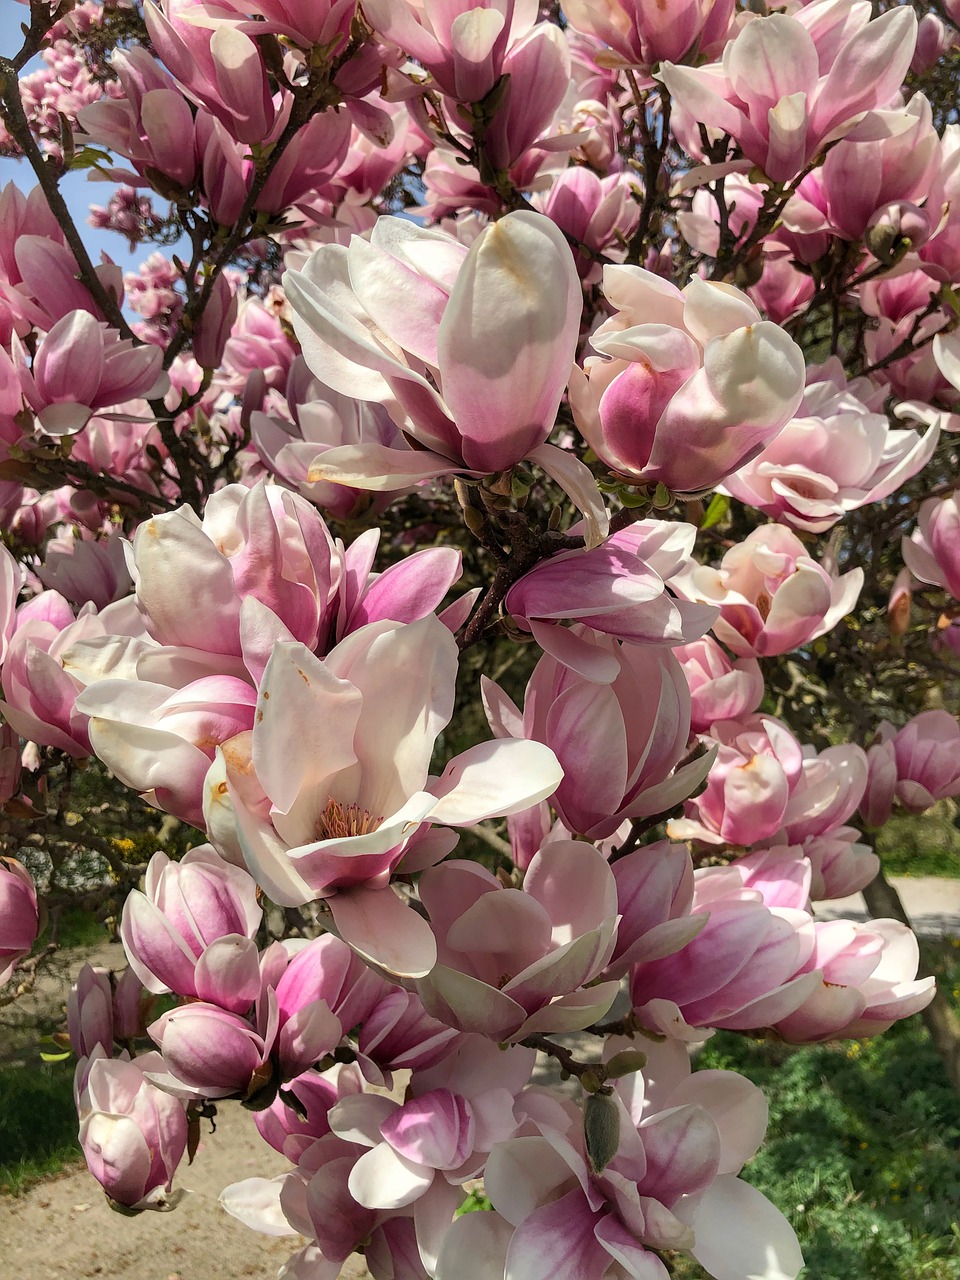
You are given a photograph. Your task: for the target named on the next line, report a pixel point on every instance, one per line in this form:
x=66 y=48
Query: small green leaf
x=718 y=508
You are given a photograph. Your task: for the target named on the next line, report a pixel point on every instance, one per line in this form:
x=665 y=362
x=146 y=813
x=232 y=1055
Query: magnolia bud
x=601 y=1129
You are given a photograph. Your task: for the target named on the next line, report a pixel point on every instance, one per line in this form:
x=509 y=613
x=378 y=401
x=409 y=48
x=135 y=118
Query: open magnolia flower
x=330 y=791
x=472 y=364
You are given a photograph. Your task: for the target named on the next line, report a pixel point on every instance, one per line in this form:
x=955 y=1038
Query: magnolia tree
x=477 y=539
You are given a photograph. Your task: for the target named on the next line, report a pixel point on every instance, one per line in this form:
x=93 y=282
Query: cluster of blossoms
x=249 y=535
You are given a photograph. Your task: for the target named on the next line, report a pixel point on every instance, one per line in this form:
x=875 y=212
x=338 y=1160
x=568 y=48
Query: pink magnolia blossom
x=837 y=455
x=671 y=1185
x=758 y=765
x=867 y=982
x=222 y=69
x=932 y=552
x=619 y=733
x=742 y=969
x=150 y=125
x=209 y=1052
x=642 y=33
x=258 y=342
x=314 y=1093
x=840 y=864
x=461 y=45
x=772 y=596
x=324 y=796
x=896 y=163
x=611 y=589
x=83 y=570
x=90 y=1012
x=308 y=22
x=133 y=1135
x=495 y=327
x=455 y=1114
x=514 y=962
x=598 y=213
x=828 y=790
x=688 y=385
x=19 y=917
x=11 y=580
x=876 y=805
x=720 y=688
x=654 y=897
x=81 y=366
x=322 y=420
x=263 y=543
x=927 y=759
x=40 y=691
x=160 y=739
x=171 y=931
x=815 y=84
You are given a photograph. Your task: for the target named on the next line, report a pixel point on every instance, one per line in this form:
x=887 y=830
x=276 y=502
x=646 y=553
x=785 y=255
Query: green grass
x=76 y=928
x=38 y=1124
x=928 y=845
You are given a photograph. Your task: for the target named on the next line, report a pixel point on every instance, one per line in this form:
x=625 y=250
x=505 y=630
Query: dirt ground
x=64 y=1227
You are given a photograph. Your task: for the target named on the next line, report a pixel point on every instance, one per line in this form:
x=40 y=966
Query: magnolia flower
x=330 y=789
x=932 y=552
x=511 y=963
x=772 y=596
x=19 y=917
x=171 y=931
x=620 y=732
x=670 y=1184
x=469 y=349
x=688 y=386
x=816 y=82
x=837 y=455
x=133 y=1134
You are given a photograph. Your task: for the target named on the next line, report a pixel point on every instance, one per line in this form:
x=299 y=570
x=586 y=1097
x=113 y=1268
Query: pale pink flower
x=447 y=1125
x=460 y=44
x=758 y=765
x=721 y=688
x=642 y=33
x=598 y=213
x=927 y=754
x=324 y=797
x=837 y=455
x=90 y=1012
x=932 y=552
x=19 y=918
x=133 y=1135
x=170 y=931
x=81 y=366
x=742 y=969
x=688 y=385
x=495 y=328
x=611 y=589
x=323 y=419
x=514 y=962
x=868 y=981
x=264 y=544
x=813 y=85
x=619 y=732
x=83 y=570
x=772 y=596
x=670 y=1185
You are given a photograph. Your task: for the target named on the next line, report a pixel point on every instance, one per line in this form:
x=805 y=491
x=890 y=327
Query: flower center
x=339 y=820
